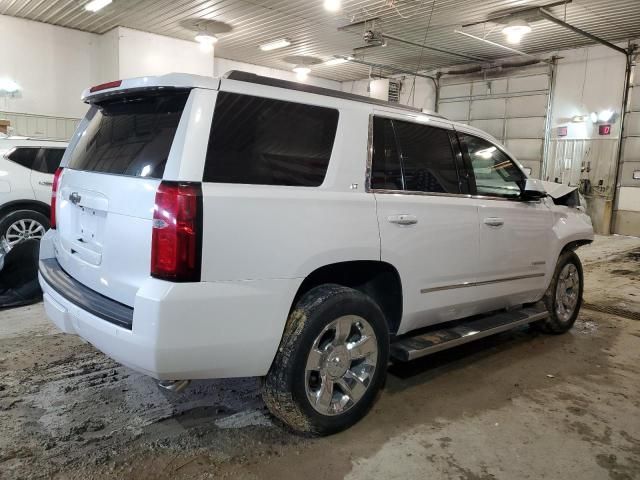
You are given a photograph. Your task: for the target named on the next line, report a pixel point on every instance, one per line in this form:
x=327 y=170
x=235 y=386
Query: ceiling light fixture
x=206 y=41
x=96 y=5
x=301 y=72
x=332 y=5
x=515 y=30
x=281 y=43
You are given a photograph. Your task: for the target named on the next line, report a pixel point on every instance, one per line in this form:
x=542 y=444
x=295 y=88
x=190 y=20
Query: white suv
x=248 y=226
x=26 y=175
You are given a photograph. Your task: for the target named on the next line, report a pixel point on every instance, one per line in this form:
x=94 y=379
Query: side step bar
x=463 y=331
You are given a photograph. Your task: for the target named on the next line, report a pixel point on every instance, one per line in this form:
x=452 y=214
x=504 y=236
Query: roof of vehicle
x=187 y=80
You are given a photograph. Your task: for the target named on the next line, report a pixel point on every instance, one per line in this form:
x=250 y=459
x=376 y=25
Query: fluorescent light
x=332 y=5
x=578 y=119
x=301 y=72
x=515 y=30
x=96 y=5
x=486 y=153
x=336 y=61
x=281 y=43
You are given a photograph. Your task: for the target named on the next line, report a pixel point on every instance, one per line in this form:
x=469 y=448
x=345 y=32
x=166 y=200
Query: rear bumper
x=188 y=330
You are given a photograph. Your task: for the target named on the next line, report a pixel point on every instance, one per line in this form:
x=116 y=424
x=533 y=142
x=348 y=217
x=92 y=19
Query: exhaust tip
x=174 y=385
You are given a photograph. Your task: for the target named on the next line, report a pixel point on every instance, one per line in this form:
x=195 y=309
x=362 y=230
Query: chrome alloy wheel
x=22 y=230
x=567 y=292
x=341 y=365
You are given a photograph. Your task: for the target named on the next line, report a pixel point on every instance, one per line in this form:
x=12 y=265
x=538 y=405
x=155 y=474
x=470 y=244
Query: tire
x=563 y=298
x=309 y=392
x=28 y=222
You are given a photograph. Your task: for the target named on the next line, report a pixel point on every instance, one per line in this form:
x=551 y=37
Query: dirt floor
x=516 y=406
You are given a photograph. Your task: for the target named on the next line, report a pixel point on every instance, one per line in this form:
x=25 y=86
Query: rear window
x=263 y=141
x=130 y=135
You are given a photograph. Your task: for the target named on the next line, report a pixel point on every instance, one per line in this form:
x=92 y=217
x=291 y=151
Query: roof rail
x=44 y=139
x=242 y=76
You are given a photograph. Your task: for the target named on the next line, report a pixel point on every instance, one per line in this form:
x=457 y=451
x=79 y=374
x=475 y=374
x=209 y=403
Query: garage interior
x=564 y=99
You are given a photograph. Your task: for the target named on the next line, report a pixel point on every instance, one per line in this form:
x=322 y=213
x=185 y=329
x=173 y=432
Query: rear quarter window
x=130 y=134
x=264 y=141
x=25 y=156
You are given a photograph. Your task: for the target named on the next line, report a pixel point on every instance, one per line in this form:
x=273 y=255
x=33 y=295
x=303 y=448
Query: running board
x=411 y=347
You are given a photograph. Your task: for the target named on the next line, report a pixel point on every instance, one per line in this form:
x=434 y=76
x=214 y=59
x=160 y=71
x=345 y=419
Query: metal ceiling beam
x=517 y=13
x=434 y=49
x=407 y=42
x=385 y=67
x=512 y=50
x=547 y=15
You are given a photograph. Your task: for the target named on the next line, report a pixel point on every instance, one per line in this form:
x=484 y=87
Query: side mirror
x=533 y=190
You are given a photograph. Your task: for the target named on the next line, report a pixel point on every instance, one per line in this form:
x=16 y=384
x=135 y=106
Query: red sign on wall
x=562 y=131
x=604 y=129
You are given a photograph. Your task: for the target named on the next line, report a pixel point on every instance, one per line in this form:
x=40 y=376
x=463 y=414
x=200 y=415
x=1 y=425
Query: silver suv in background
x=27 y=166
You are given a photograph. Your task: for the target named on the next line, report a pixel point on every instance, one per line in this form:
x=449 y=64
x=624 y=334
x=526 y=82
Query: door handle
x=45 y=184
x=494 y=221
x=403 y=219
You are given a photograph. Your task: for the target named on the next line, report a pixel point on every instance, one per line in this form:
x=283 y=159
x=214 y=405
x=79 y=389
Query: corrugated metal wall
x=40 y=126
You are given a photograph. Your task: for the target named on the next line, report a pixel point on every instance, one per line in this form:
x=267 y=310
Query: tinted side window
x=49 y=160
x=263 y=141
x=427 y=158
x=386 y=173
x=494 y=171
x=24 y=156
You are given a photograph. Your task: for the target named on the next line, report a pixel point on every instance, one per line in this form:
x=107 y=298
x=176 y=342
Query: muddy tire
x=563 y=298
x=331 y=363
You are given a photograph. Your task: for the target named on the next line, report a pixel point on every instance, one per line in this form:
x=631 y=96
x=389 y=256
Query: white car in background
x=26 y=174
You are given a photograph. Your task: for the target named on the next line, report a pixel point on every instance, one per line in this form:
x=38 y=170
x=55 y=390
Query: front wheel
x=331 y=362
x=564 y=295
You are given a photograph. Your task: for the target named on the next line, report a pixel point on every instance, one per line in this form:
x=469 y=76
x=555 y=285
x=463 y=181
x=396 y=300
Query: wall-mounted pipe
x=493 y=66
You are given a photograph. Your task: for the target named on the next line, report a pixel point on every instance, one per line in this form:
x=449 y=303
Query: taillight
x=176 y=242
x=105 y=86
x=54 y=191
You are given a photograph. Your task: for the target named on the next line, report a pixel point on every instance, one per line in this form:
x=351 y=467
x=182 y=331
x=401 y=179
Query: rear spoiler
x=128 y=85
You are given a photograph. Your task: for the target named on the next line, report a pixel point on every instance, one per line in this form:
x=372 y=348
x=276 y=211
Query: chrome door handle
x=45 y=184
x=494 y=221
x=403 y=219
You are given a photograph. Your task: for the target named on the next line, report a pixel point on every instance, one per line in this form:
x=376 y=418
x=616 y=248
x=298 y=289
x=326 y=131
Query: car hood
x=557 y=190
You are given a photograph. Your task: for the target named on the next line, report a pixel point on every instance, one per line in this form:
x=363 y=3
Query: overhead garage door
x=627 y=208
x=40 y=126
x=512 y=108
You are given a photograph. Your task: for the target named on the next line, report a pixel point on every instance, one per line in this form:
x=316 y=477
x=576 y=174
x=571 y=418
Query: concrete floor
x=516 y=406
